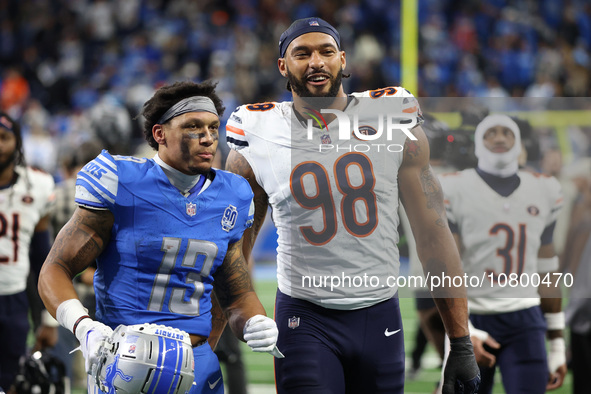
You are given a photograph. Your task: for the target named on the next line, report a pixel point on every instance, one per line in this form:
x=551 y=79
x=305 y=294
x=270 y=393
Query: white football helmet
x=145 y=358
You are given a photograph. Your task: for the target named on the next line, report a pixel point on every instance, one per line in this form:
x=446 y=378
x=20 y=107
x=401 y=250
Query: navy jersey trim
x=236 y=142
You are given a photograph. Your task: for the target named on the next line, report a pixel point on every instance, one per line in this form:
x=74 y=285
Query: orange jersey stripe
x=234 y=130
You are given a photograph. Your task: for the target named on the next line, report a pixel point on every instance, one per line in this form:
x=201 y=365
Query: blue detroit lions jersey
x=158 y=266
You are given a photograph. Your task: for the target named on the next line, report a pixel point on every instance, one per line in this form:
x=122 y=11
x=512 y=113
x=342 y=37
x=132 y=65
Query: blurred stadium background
x=73 y=71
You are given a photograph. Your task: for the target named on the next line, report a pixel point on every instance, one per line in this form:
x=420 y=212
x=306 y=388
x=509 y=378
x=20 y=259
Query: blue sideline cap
x=303 y=26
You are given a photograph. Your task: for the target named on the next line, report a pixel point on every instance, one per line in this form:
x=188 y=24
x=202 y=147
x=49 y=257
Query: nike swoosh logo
x=212 y=385
x=389 y=333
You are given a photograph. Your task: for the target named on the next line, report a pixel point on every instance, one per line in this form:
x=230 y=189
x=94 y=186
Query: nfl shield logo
x=191 y=209
x=131 y=349
x=325 y=139
x=229 y=218
x=293 y=322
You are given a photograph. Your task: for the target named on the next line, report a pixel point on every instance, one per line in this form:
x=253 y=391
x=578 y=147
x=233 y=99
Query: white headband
x=500 y=164
x=190 y=104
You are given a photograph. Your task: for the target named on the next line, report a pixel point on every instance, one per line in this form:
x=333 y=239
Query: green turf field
x=260 y=366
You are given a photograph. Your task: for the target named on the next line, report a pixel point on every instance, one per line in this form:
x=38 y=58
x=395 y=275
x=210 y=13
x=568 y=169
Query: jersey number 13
x=177 y=303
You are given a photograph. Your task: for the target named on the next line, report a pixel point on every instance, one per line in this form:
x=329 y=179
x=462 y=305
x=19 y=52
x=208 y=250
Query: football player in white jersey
x=26 y=199
x=502 y=220
x=346 y=339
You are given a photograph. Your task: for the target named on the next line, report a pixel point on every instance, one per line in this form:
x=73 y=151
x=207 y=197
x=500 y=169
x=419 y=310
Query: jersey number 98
x=323 y=198
x=260 y=107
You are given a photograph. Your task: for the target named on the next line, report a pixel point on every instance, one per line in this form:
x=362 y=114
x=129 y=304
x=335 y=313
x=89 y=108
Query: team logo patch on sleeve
x=28 y=199
x=533 y=210
x=229 y=218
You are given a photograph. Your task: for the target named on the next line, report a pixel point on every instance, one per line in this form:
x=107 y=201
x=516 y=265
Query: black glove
x=461 y=375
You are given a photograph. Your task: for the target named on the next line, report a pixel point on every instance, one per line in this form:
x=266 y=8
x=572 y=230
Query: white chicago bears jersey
x=334 y=201
x=21 y=207
x=501 y=236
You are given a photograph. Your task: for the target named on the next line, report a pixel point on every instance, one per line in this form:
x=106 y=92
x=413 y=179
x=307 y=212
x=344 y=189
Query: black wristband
x=78 y=321
x=461 y=344
x=460 y=340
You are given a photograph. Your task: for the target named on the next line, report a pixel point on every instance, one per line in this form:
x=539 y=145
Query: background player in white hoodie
x=503 y=220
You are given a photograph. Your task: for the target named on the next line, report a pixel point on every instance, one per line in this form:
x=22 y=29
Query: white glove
x=556 y=354
x=260 y=333
x=91 y=334
x=475 y=332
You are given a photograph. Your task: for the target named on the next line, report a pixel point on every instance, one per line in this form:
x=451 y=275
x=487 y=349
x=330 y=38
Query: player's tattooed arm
x=234 y=273
x=81 y=240
x=76 y=246
x=434 y=194
x=234 y=290
x=218 y=322
x=416 y=161
x=232 y=278
x=412 y=149
x=237 y=164
x=415 y=153
x=422 y=198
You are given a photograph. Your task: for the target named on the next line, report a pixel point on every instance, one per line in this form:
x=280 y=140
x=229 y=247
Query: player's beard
x=299 y=87
x=4 y=164
x=199 y=171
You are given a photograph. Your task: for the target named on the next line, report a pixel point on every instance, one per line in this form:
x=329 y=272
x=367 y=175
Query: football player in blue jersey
x=161 y=230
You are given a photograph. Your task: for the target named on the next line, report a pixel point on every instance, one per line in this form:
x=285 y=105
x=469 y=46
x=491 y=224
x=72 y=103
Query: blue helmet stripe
x=169 y=357
x=158 y=372
x=170 y=361
x=177 y=359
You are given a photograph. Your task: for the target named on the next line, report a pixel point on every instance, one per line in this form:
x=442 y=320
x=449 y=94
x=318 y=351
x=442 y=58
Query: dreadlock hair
x=13 y=126
x=169 y=95
x=19 y=158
